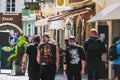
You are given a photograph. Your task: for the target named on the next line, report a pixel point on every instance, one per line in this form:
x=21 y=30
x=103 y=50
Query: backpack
x=113 y=52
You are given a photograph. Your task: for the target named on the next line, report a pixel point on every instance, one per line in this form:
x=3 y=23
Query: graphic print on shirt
x=74 y=56
x=47 y=50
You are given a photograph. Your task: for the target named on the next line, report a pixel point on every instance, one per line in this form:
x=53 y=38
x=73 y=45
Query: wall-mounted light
x=68 y=26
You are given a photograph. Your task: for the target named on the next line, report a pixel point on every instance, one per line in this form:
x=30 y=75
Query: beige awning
x=41 y=22
x=57 y=25
x=73 y=12
x=111 y=12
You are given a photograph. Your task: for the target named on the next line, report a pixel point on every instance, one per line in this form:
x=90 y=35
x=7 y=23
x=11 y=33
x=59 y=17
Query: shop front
x=9 y=24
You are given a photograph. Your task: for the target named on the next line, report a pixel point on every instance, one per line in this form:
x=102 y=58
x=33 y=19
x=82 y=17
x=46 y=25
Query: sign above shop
x=13 y=19
x=7 y=18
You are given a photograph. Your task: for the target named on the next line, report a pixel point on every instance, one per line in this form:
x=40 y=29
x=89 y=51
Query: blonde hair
x=46 y=37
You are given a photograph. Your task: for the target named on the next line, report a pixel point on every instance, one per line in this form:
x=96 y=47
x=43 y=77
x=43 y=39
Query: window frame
x=10 y=6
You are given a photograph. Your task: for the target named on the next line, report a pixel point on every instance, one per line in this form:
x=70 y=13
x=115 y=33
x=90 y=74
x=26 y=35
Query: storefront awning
x=41 y=22
x=111 y=12
x=60 y=17
x=57 y=25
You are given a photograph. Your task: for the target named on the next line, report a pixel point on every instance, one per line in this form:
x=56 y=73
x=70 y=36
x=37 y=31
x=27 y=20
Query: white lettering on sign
x=7 y=18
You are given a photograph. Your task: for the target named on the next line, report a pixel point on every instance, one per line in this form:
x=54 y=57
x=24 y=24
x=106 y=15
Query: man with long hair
x=48 y=58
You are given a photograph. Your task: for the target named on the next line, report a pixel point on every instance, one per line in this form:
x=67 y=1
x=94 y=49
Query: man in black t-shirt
x=94 y=48
x=48 y=58
x=74 y=60
x=33 y=66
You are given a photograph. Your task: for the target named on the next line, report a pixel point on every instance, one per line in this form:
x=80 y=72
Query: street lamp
x=68 y=27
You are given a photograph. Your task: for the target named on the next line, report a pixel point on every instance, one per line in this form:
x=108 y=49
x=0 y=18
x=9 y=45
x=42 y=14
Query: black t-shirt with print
x=73 y=55
x=31 y=50
x=48 y=53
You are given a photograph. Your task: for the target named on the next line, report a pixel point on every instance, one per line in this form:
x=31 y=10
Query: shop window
x=10 y=7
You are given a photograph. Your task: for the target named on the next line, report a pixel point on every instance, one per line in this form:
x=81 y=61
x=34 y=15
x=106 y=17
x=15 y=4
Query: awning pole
x=38 y=29
x=56 y=36
x=96 y=25
x=109 y=43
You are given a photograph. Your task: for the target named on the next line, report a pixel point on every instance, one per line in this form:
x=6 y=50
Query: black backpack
x=112 y=53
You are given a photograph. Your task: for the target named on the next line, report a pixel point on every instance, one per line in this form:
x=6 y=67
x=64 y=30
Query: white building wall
x=3 y=6
x=19 y=6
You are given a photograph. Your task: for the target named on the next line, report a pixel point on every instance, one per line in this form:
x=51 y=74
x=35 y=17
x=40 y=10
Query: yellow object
x=60 y=2
x=7 y=49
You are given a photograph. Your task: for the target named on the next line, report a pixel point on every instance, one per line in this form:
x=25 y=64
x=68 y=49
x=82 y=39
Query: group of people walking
x=44 y=59
x=89 y=55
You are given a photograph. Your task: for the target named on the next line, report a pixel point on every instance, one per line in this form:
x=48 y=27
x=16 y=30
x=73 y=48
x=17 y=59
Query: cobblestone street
x=12 y=77
x=6 y=75
x=9 y=77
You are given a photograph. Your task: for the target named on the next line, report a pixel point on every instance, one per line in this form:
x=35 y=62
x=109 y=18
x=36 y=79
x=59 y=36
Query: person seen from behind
x=116 y=62
x=95 y=49
x=48 y=58
x=74 y=60
x=33 y=66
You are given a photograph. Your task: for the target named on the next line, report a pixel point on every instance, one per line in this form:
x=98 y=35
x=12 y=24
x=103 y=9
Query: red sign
x=74 y=1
